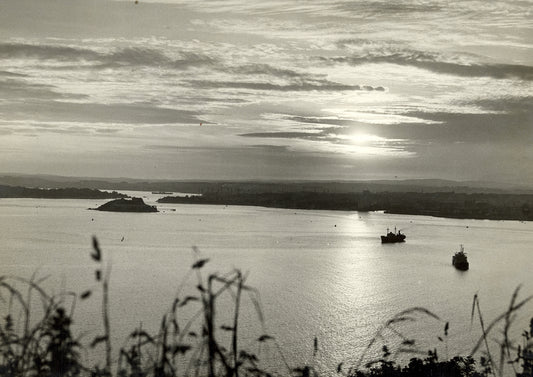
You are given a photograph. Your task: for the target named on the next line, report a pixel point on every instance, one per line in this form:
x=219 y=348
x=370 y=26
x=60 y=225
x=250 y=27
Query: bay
x=320 y=274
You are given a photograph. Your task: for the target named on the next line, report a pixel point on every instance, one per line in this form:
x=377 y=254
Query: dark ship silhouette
x=393 y=237
x=460 y=261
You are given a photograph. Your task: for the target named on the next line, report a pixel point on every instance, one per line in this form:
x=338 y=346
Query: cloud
x=385 y=8
x=22 y=90
x=511 y=126
x=53 y=52
x=196 y=100
x=316 y=85
x=433 y=62
x=41 y=128
x=128 y=56
x=11 y=74
x=138 y=56
x=188 y=59
x=266 y=69
x=331 y=8
x=510 y=104
x=293 y=80
x=271 y=148
x=318 y=120
x=97 y=113
x=178 y=147
x=282 y=135
x=224 y=149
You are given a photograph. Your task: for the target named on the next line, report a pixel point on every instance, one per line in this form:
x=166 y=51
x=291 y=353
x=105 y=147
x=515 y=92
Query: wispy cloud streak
x=430 y=62
x=130 y=56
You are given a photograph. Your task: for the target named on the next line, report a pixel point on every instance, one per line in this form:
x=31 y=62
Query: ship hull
x=461 y=266
x=395 y=239
x=460 y=261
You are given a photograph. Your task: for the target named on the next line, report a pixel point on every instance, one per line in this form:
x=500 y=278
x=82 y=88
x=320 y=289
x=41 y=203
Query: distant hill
x=259 y=186
x=58 y=193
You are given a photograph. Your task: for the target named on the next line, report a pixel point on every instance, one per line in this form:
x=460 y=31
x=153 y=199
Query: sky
x=268 y=89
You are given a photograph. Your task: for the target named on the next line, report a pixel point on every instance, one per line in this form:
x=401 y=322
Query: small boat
x=460 y=261
x=393 y=237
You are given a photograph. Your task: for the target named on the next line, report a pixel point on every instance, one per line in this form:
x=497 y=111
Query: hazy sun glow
x=361 y=138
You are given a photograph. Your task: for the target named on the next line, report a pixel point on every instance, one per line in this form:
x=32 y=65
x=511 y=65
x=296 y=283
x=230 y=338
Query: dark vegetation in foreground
x=441 y=204
x=56 y=193
x=45 y=346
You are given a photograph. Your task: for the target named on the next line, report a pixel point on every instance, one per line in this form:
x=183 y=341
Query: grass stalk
x=236 y=324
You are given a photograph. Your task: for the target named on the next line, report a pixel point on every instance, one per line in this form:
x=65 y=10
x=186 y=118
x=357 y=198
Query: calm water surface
x=319 y=273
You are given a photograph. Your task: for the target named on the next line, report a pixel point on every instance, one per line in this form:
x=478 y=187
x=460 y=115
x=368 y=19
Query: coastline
x=446 y=205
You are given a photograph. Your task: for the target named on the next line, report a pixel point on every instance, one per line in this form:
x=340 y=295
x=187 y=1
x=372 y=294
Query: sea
x=320 y=275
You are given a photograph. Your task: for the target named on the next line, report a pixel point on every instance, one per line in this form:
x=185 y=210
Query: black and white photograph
x=266 y=188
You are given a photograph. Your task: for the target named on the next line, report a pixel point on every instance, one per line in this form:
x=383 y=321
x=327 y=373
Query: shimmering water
x=319 y=273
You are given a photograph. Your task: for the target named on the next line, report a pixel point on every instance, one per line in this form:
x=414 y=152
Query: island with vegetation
x=126 y=205
x=494 y=206
x=56 y=193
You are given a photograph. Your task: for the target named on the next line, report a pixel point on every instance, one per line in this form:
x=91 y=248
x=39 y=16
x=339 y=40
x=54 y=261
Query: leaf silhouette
x=98 y=340
x=181 y=348
x=186 y=300
x=97 y=254
x=200 y=263
x=262 y=338
x=142 y=334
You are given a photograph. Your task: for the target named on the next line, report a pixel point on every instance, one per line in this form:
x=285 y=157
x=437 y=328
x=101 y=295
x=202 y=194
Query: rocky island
x=126 y=205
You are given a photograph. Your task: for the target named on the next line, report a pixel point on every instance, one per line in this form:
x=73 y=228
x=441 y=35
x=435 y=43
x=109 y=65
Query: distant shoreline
x=451 y=204
x=57 y=193
x=447 y=205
